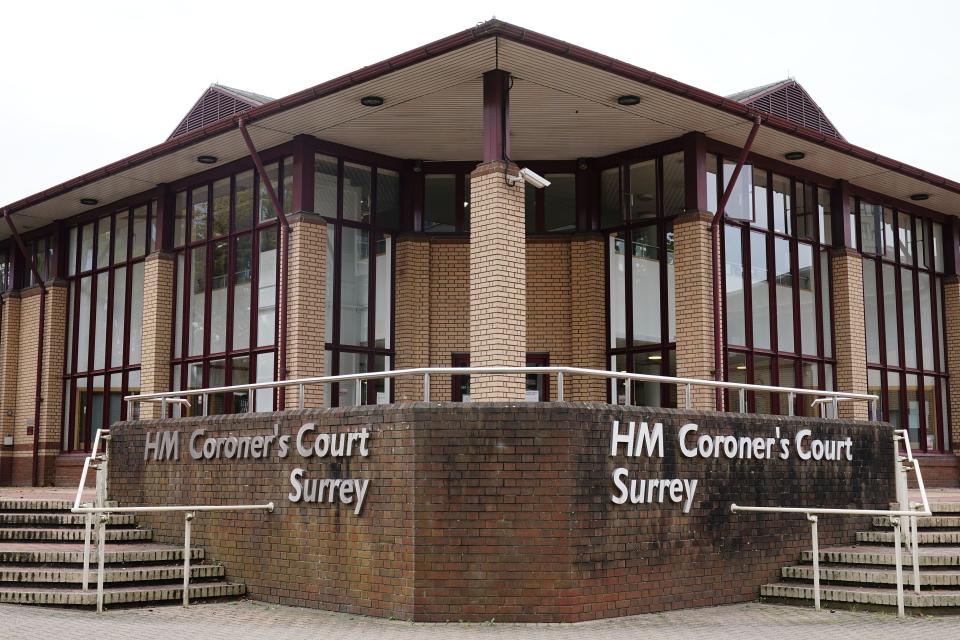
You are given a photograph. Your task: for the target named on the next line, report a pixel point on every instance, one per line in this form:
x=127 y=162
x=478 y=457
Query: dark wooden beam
x=496 y=115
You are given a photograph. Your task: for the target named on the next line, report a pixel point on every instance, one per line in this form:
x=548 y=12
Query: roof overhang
x=562 y=106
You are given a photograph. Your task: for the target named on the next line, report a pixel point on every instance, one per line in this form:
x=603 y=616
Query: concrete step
x=872 y=575
x=119 y=595
x=74 y=535
x=923 y=537
x=884 y=555
x=27 y=504
x=143 y=573
x=936 y=507
x=59 y=519
x=71 y=553
x=933 y=522
x=874 y=596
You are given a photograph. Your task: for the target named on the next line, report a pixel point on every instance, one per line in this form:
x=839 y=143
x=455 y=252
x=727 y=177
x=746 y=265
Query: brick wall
x=498 y=511
x=588 y=328
x=951 y=330
x=158 y=308
x=412 y=317
x=9 y=377
x=850 y=338
x=449 y=299
x=548 y=297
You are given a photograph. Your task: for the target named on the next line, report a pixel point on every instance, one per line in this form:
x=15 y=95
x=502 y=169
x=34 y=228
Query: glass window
x=870 y=227
x=643 y=190
x=784 y=287
x=739 y=204
x=712 y=173
x=671 y=295
x=243 y=200
x=806 y=287
x=180 y=219
x=782 y=207
x=926 y=320
x=325 y=186
x=198 y=288
x=889 y=234
x=560 y=203
x=439 y=201
x=616 y=246
x=118 y=323
x=909 y=325
x=219 y=285
x=610 y=214
x=267 y=287
x=905 y=237
x=356 y=192
x=673 y=184
x=890 y=314
x=100 y=322
x=103 y=244
x=221 y=207
x=140 y=239
x=388 y=198
x=354 y=287
x=937 y=246
x=733 y=258
x=645 y=271
x=265 y=206
x=826 y=310
x=242 y=280
x=120 y=236
x=384 y=292
x=824 y=213
x=198 y=219
x=759 y=290
x=807 y=212
x=871 y=310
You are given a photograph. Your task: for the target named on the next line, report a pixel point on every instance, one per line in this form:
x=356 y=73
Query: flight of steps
x=41 y=561
x=864 y=575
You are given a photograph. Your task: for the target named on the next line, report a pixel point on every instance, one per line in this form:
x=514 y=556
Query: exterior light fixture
x=207 y=159
x=741 y=367
x=794 y=155
x=654 y=357
x=371 y=101
x=628 y=100
x=919 y=197
x=582 y=164
x=89 y=201
x=418 y=166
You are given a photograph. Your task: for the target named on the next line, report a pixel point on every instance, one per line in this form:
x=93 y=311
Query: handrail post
x=187 y=521
x=895 y=520
x=816 y=560
x=791 y=401
x=836 y=411
x=301 y=397
x=101 y=543
x=358 y=390
x=559 y=386
x=87 y=530
x=206 y=405
x=426 y=387
x=628 y=391
x=163 y=408
x=915 y=553
x=688 y=396
x=743 y=400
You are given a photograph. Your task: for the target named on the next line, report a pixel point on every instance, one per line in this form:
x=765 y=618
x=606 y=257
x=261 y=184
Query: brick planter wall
x=502 y=510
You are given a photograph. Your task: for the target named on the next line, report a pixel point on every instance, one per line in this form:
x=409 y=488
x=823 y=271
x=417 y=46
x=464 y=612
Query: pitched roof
x=217 y=102
x=787 y=99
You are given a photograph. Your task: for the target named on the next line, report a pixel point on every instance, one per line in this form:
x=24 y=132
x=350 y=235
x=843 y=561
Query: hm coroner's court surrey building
x=409 y=238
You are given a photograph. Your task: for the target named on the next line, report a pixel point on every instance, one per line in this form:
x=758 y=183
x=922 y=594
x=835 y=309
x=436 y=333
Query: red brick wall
x=500 y=511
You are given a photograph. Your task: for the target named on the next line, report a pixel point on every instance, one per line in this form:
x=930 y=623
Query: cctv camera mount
x=532 y=178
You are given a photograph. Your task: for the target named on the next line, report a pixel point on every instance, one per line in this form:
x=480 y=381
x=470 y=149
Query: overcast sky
x=83 y=84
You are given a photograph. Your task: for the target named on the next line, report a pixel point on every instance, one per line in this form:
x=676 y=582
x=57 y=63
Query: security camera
x=533 y=179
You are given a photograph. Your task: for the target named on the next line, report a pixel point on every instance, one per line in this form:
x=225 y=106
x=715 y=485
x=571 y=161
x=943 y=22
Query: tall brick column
x=693 y=286
x=9 y=379
x=306 y=305
x=850 y=341
x=951 y=330
x=412 y=316
x=498 y=334
x=158 y=306
x=588 y=344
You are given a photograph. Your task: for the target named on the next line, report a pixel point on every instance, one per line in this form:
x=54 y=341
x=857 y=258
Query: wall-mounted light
x=655 y=358
x=89 y=201
x=205 y=159
x=628 y=100
x=582 y=164
x=418 y=166
x=794 y=155
x=919 y=197
x=371 y=101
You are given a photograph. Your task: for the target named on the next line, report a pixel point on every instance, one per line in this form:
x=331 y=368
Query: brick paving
x=247 y=619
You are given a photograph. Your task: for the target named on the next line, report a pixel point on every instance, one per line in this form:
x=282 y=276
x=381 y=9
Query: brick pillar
x=498 y=334
x=9 y=379
x=412 y=317
x=693 y=287
x=306 y=306
x=951 y=330
x=158 y=306
x=588 y=344
x=51 y=389
x=850 y=341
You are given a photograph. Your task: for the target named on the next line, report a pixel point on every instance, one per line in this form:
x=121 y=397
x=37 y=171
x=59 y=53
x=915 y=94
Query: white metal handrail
x=688 y=384
x=99 y=508
x=909 y=512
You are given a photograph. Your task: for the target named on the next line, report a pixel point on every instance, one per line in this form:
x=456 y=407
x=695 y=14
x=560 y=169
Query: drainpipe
x=37 y=397
x=284 y=246
x=715 y=239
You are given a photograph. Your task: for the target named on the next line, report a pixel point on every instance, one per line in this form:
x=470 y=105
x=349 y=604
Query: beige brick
x=850 y=344
x=157 y=341
x=951 y=330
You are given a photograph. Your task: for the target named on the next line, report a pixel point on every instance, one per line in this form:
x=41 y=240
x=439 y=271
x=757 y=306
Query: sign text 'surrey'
x=308 y=443
x=642 y=440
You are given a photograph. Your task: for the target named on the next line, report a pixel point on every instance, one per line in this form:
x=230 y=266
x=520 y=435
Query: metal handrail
x=906 y=510
x=688 y=383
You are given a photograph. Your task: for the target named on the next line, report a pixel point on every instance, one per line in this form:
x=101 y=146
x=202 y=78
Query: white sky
x=83 y=84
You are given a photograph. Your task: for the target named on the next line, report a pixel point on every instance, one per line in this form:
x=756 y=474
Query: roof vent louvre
x=216 y=103
x=787 y=99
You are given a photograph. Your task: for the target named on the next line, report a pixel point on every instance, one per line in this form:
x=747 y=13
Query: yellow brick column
x=498 y=335
x=51 y=388
x=588 y=342
x=306 y=306
x=157 y=342
x=9 y=378
x=850 y=341
x=412 y=317
x=951 y=330
x=693 y=288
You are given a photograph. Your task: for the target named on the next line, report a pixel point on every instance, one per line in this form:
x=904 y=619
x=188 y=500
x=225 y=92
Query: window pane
x=761 y=217
x=926 y=320
x=217 y=377
x=350 y=363
x=787 y=377
x=938 y=294
x=136 y=313
x=198 y=286
x=86 y=248
x=267 y=287
x=388 y=198
x=784 y=288
x=117 y=324
x=671 y=292
x=808 y=299
x=889 y=239
x=893 y=402
x=762 y=374
x=221 y=207
x=824 y=212
x=242 y=277
x=913 y=407
x=121 y=233
x=890 y=314
x=760 y=290
x=178 y=313
x=180 y=219
x=100 y=324
x=560 y=203
x=265 y=207
x=937 y=246
x=923 y=246
x=736 y=372
x=331 y=256
x=286 y=194
x=354 y=287
x=826 y=311
x=83 y=323
x=439 y=199
x=71 y=324
x=809 y=379
x=610 y=215
x=739 y=204
x=198 y=216
x=218 y=297
x=871 y=310
x=673 y=185
x=870 y=227
x=381 y=386
x=138 y=243
x=647 y=394
x=643 y=190
x=734 y=272
x=243 y=200
x=195 y=381
x=928 y=398
x=874 y=378
x=909 y=324
x=712 y=172
x=356 y=192
x=240 y=374
x=782 y=204
x=806 y=210
x=265 y=373
x=646 y=286
x=466 y=202
x=103 y=244
x=384 y=292
x=616 y=246
x=325 y=186
x=905 y=238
